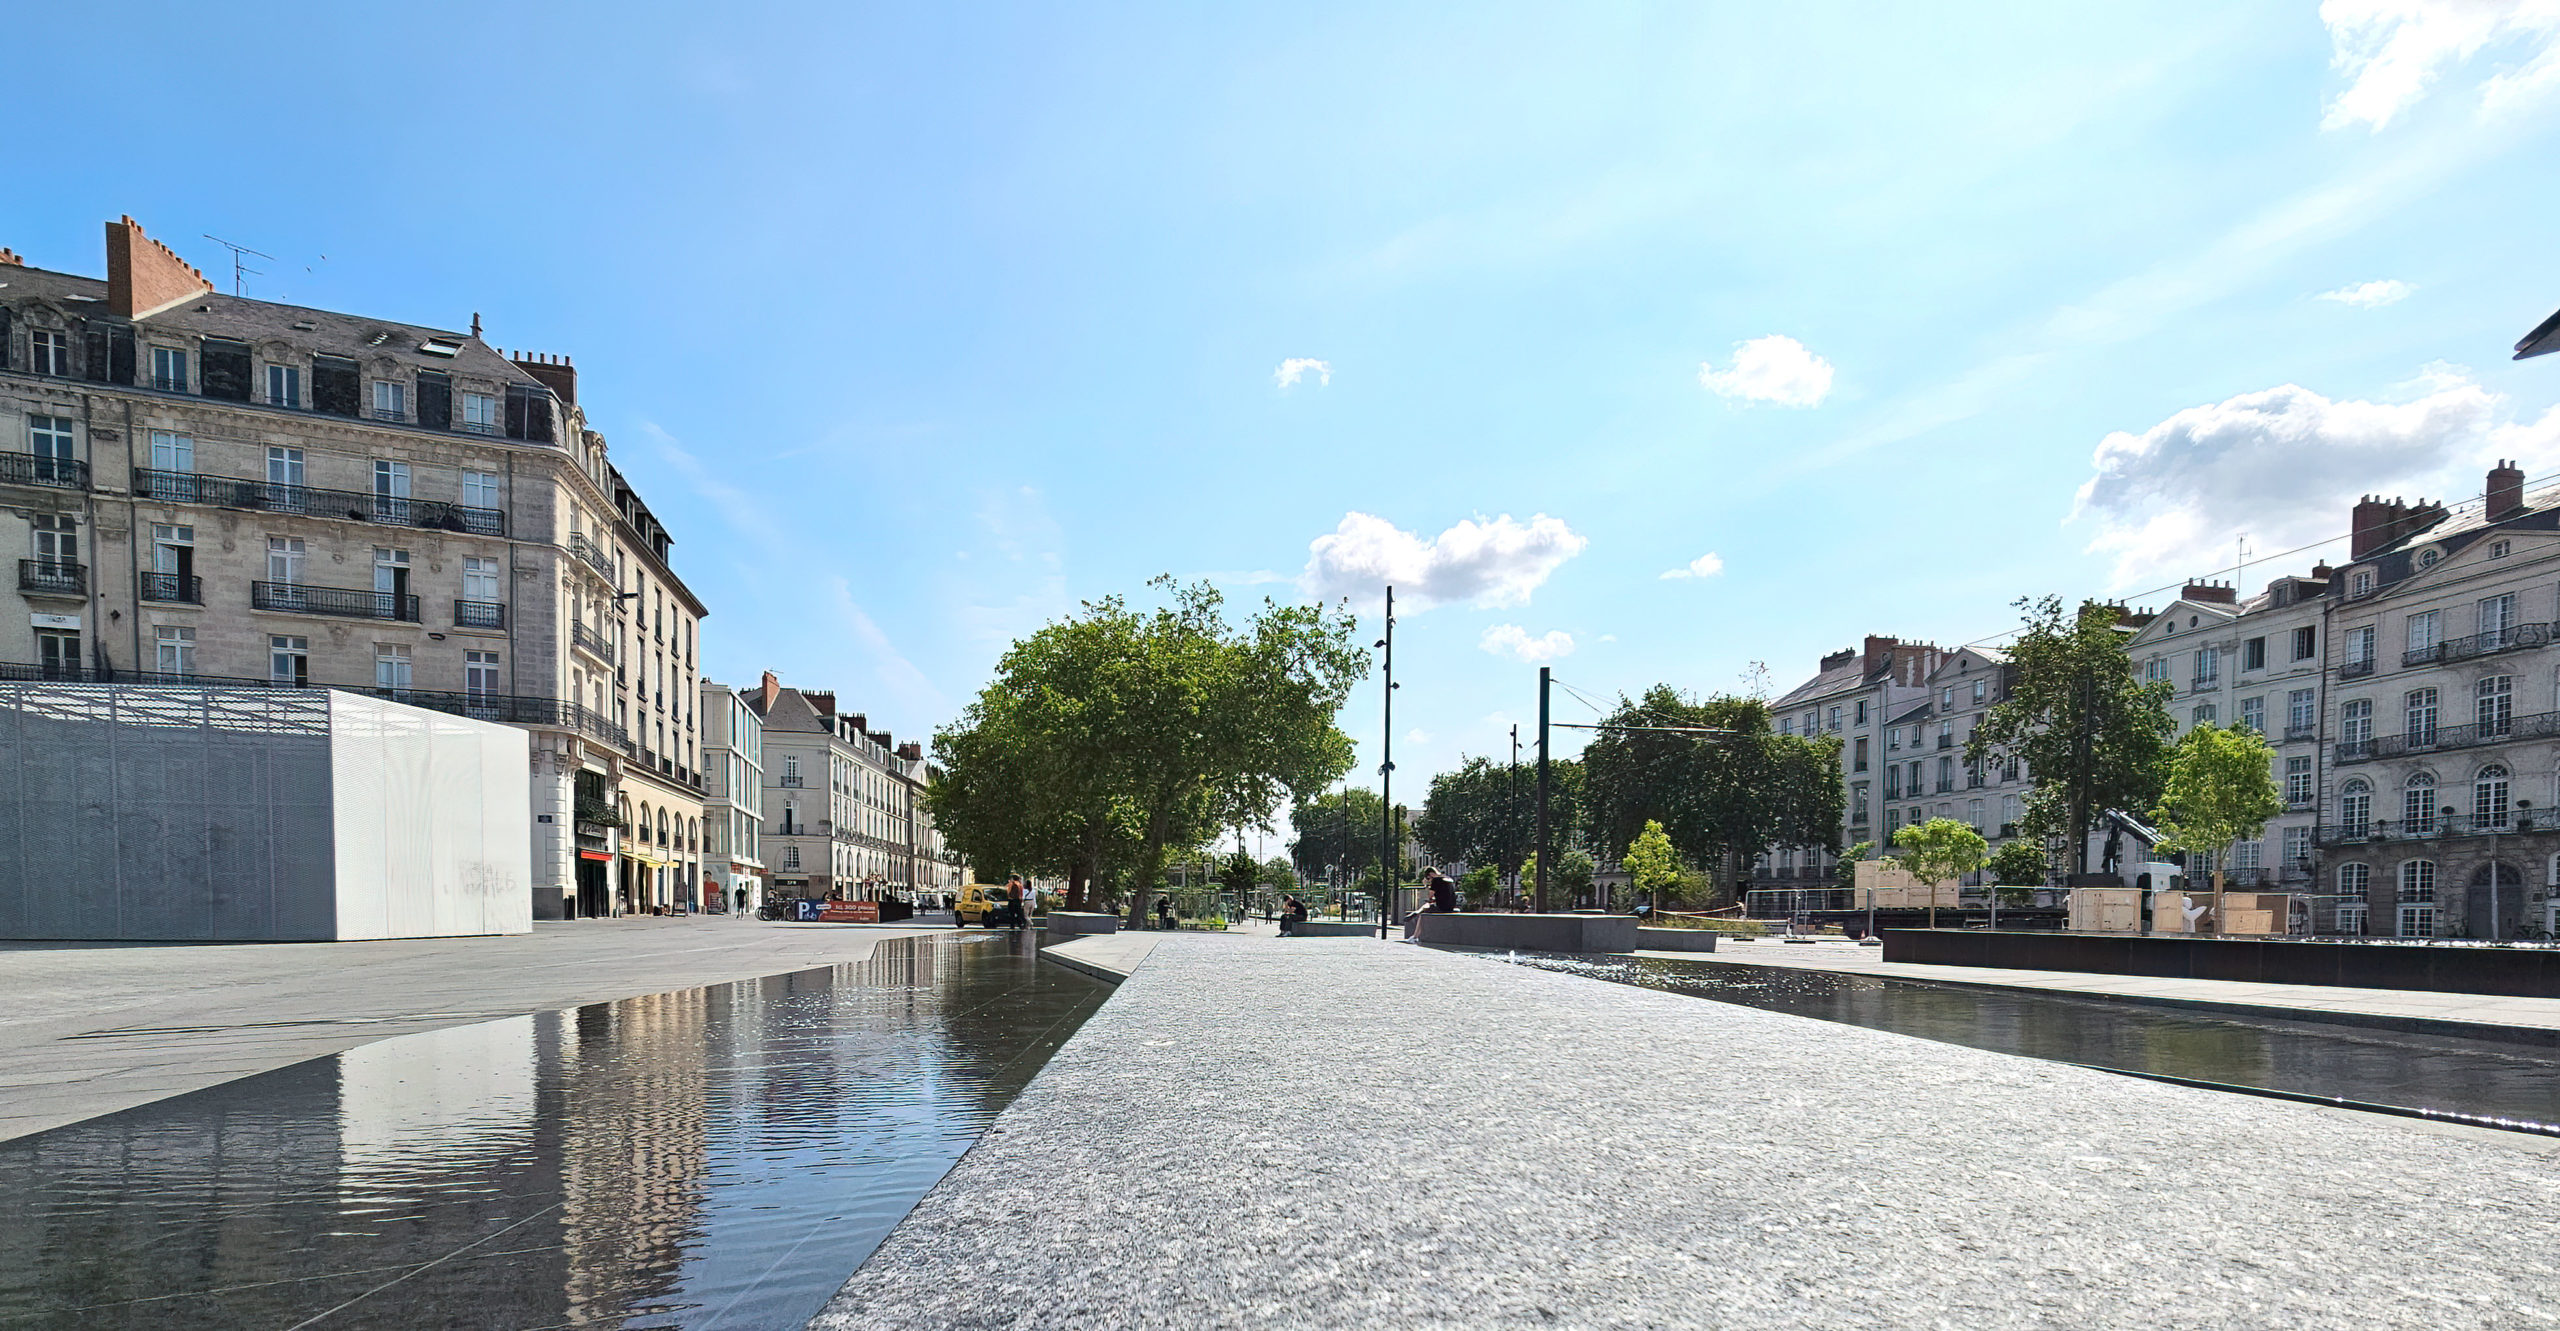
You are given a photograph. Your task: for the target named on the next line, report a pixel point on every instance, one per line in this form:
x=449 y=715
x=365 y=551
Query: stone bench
x=1529 y=933
x=1675 y=940
x=1331 y=929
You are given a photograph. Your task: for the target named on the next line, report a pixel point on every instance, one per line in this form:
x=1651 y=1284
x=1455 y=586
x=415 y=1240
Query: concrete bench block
x=1675 y=940
x=1333 y=929
x=1061 y=922
x=1530 y=933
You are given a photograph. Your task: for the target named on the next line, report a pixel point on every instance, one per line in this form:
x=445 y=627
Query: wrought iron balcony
x=53 y=577
x=2355 y=669
x=2426 y=655
x=2514 y=637
x=597 y=557
x=38 y=469
x=591 y=642
x=294 y=598
x=2510 y=823
x=2434 y=739
x=479 y=614
x=169 y=383
x=171 y=587
x=2306 y=730
x=392 y=414
x=2203 y=682
x=186 y=487
x=1946 y=741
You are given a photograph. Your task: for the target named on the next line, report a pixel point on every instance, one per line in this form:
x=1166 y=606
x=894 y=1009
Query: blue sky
x=918 y=326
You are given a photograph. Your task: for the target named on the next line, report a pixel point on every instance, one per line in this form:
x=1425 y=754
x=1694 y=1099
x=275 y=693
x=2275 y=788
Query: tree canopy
x=1484 y=813
x=1730 y=796
x=1336 y=830
x=1115 y=736
x=1940 y=849
x=2221 y=788
x=1653 y=867
x=2092 y=736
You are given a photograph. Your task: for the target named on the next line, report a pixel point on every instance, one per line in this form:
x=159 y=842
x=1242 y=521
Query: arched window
x=2489 y=798
x=2353 y=879
x=2418 y=804
x=641 y=828
x=2355 y=808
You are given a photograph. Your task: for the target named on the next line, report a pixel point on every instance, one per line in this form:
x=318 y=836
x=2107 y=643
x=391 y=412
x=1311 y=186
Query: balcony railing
x=2442 y=825
x=53 y=577
x=591 y=642
x=38 y=469
x=294 y=598
x=169 y=383
x=596 y=556
x=479 y=614
x=392 y=414
x=2426 y=655
x=2306 y=730
x=171 y=587
x=504 y=708
x=1946 y=741
x=186 y=487
x=2203 y=682
x=2355 y=669
x=2538 y=725
x=2514 y=637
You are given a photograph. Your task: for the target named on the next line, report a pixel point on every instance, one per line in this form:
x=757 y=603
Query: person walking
x=742 y=902
x=1017 y=915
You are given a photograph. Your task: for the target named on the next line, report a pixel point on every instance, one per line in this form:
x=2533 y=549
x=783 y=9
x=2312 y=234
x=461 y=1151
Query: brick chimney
x=2321 y=572
x=1838 y=659
x=912 y=751
x=2377 y=524
x=824 y=702
x=2211 y=593
x=143 y=276
x=771 y=689
x=2506 y=489
x=9 y=258
x=555 y=372
x=1878 y=654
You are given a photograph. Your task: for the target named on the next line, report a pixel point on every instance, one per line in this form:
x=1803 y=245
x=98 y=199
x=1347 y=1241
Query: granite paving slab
x=1334 y=1133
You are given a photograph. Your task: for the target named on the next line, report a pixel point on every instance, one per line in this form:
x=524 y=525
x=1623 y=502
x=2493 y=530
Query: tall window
x=2306 y=640
x=390 y=665
x=2497 y=620
x=480 y=489
x=2208 y=666
x=169 y=369
x=1893 y=781
x=2246 y=855
x=284 y=385
x=390 y=400
x=173 y=557
x=2253 y=654
x=2360 y=583
x=2360 y=646
x=2355 y=726
x=2298 y=711
x=172 y=452
x=284 y=466
x=2417 y=898
x=2297 y=781
x=2489 y=798
x=688 y=641
x=2420 y=707
x=479 y=579
x=51 y=352
x=1893 y=739
x=2297 y=848
x=284 y=560
x=390 y=582
x=1861 y=752
x=2253 y=714
x=2010 y=807
x=391 y=491
x=2424 y=634
x=2206 y=714
x=2155 y=670
x=480 y=674
x=479 y=413
x=2418 y=805
x=1973 y=814
x=2355 y=808
x=176 y=650
x=289 y=659
x=57 y=544
x=2354 y=880
x=1835 y=712
x=49 y=438
x=1946 y=775
x=2493 y=706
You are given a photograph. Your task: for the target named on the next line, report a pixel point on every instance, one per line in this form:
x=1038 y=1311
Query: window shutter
x=4 y=337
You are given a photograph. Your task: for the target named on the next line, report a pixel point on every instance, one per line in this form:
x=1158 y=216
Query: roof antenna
x=238 y=270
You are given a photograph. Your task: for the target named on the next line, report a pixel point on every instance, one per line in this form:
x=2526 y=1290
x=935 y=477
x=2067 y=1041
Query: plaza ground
x=91 y=1028
x=1343 y=1133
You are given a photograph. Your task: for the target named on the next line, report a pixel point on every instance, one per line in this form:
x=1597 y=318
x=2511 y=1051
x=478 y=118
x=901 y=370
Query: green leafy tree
x=1480 y=885
x=1575 y=872
x=2221 y=789
x=2018 y=864
x=1938 y=850
x=1485 y=813
x=1727 y=796
x=1337 y=830
x=1276 y=871
x=1237 y=873
x=1653 y=867
x=2092 y=736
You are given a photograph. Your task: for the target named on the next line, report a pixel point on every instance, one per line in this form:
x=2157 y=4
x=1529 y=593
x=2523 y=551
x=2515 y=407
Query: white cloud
x=1776 y=368
x=2393 y=51
x=2287 y=465
x=1492 y=563
x=1417 y=735
x=1608 y=637
x=1514 y=641
x=1298 y=367
x=2371 y=295
x=1704 y=566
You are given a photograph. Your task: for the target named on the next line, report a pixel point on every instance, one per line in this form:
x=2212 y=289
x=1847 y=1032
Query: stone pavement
x=1342 y=1133
x=2399 y=1008
x=1111 y=957
x=91 y=1028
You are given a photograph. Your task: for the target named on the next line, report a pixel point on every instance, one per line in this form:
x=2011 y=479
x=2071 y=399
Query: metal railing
x=2304 y=731
x=2422 y=655
x=2514 y=637
x=170 y=587
x=2202 y=682
x=597 y=557
x=186 y=487
x=591 y=642
x=479 y=614
x=346 y=603
x=391 y=414
x=39 y=469
x=1946 y=741
x=2441 y=825
x=505 y=708
x=2538 y=725
x=53 y=577
x=169 y=383
x=2355 y=669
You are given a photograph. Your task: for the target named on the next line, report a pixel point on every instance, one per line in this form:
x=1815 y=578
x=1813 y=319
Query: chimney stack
x=1878 y=654
x=9 y=258
x=2506 y=490
x=772 y=687
x=825 y=702
x=2212 y=593
x=2376 y=525
x=143 y=276
x=555 y=372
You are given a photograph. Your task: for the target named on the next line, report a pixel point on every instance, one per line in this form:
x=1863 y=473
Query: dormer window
x=390 y=400
x=2428 y=557
x=2498 y=549
x=2360 y=582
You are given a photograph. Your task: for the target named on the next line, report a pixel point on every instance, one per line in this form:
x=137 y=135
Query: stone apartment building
x=2443 y=714
x=211 y=488
x=1850 y=696
x=1927 y=742
x=2257 y=663
x=840 y=801
x=732 y=798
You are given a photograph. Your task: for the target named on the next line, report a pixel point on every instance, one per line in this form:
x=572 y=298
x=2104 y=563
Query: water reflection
x=719 y=1157
x=2480 y=1078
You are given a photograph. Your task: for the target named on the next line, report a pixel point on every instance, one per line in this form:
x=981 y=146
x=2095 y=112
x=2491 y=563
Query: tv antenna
x=239 y=269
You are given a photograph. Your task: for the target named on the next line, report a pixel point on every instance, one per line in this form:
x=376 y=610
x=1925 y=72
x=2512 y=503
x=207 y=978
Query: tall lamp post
x=1387 y=772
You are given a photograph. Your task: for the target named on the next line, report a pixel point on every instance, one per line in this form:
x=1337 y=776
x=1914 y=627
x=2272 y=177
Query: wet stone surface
x=715 y=1157
x=2482 y=1079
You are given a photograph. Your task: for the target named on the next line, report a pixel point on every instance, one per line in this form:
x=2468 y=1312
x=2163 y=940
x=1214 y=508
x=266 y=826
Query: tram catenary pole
x=1545 y=860
x=1387 y=773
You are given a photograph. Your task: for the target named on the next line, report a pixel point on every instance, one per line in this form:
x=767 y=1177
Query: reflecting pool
x=715 y=1157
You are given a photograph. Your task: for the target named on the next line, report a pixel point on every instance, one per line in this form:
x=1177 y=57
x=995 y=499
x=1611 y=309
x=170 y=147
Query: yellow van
x=981 y=903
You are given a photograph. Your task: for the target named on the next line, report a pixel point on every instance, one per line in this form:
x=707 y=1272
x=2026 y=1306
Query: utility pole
x=1511 y=816
x=1387 y=774
x=1545 y=860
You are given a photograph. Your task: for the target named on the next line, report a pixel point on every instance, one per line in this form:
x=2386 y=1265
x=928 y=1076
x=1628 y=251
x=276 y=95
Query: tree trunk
x=2217 y=896
x=1076 y=875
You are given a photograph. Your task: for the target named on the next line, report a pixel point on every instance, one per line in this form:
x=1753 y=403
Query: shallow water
x=709 y=1158
x=2445 y=1075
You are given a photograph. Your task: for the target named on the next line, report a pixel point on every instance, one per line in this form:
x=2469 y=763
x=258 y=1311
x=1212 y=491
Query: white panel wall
x=432 y=815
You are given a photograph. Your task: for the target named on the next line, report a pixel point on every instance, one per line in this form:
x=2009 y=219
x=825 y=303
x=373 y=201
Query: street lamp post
x=1387 y=771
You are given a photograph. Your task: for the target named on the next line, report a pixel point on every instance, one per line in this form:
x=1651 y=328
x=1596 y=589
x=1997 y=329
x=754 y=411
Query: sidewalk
x=2402 y=1009
x=1334 y=1133
x=91 y=1028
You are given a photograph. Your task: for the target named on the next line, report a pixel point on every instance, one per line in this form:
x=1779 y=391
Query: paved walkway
x=1341 y=1133
x=91 y=1028
x=1112 y=957
x=2408 y=1009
